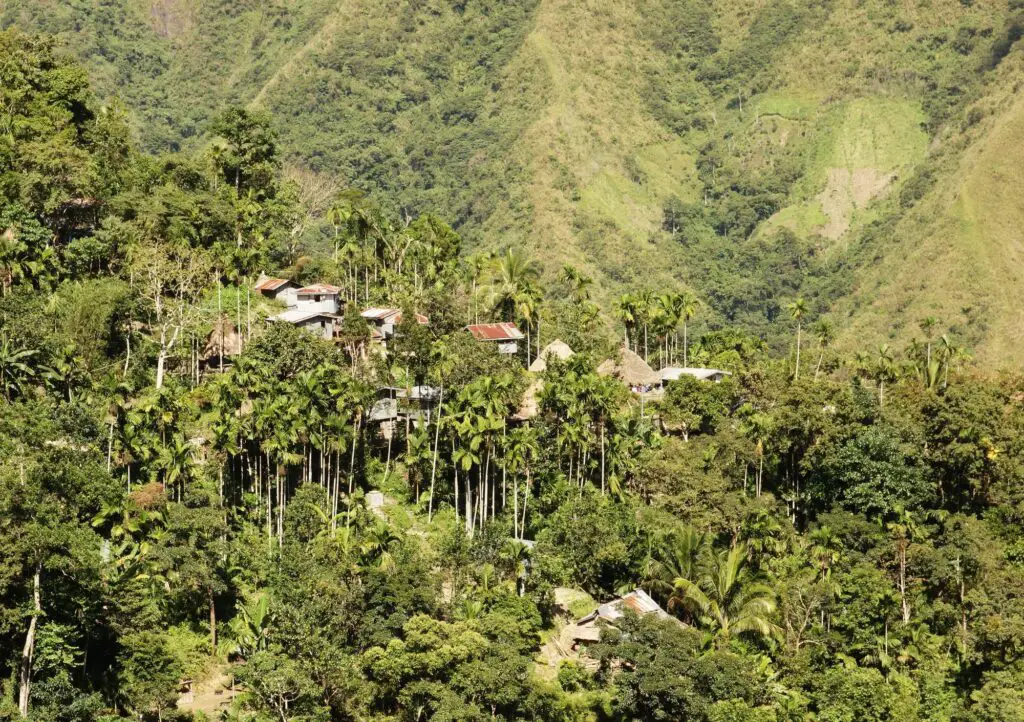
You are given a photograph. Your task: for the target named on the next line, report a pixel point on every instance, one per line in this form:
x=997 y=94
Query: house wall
x=321 y=326
x=326 y=304
x=288 y=296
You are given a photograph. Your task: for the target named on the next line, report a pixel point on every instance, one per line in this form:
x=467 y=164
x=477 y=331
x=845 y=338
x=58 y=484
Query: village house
x=318 y=297
x=396 y=404
x=278 y=289
x=314 y=308
x=629 y=368
x=319 y=322
x=506 y=335
x=572 y=639
x=384 y=321
x=530 y=405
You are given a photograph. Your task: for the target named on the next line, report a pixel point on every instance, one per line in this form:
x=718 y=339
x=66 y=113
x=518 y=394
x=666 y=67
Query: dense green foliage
x=833 y=538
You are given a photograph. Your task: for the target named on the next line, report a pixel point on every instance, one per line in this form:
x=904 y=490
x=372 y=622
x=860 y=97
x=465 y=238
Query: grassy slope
x=591 y=125
x=961 y=248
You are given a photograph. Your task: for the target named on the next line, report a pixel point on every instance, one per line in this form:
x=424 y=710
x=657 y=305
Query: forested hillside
x=750 y=151
x=209 y=511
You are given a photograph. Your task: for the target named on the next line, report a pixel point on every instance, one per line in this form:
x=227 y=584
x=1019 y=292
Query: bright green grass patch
x=857 y=153
x=882 y=133
x=634 y=204
x=669 y=170
x=582 y=606
x=803 y=218
x=626 y=203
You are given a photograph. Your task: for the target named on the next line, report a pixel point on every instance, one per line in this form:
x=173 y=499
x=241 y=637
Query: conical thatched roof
x=630 y=369
x=557 y=348
x=531 y=402
x=223 y=341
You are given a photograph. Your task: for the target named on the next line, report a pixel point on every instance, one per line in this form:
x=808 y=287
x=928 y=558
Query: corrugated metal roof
x=321 y=289
x=272 y=284
x=379 y=314
x=638 y=600
x=390 y=315
x=495 y=331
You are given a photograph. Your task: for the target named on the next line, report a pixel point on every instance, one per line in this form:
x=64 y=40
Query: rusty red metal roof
x=271 y=284
x=495 y=331
x=322 y=289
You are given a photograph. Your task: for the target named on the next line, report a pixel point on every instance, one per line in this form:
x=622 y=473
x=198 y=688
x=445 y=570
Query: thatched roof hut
x=630 y=369
x=530 y=406
x=224 y=340
x=557 y=348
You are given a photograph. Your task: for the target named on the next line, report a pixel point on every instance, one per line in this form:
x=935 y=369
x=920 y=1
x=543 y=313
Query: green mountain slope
x=861 y=153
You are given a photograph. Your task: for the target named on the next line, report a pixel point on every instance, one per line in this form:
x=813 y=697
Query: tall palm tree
x=515 y=292
x=797 y=309
x=517 y=555
x=727 y=600
x=579 y=283
x=825 y=549
x=476 y=266
x=626 y=308
x=885 y=370
x=825 y=335
x=950 y=351
x=687 y=305
x=647 y=304
x=904 y=530
x=338 y=215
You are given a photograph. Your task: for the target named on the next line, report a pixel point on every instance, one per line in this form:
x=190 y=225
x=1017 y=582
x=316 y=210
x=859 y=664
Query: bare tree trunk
x=25 y=677
x=796 y=373
x=165 y=349
x=213 y=622
x=433 y=464
x=904 y=604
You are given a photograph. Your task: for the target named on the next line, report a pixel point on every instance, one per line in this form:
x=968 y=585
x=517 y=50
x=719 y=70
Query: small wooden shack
x=506 y=335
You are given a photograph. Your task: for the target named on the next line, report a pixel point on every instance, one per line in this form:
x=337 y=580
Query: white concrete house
x=321 y=297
